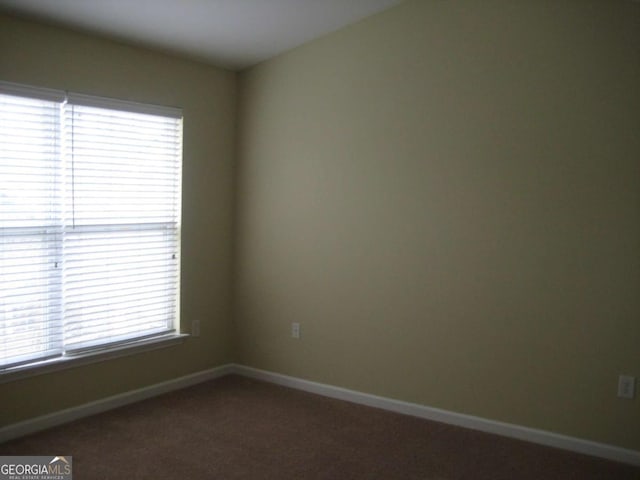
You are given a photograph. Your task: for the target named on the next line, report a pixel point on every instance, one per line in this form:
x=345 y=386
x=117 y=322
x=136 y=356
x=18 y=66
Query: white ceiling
x=230 y=33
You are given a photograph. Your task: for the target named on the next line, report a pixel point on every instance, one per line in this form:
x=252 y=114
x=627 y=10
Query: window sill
x=63 y=363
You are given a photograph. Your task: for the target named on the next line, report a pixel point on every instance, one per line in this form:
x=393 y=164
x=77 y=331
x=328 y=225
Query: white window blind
x=89 y=225
x=30 y=213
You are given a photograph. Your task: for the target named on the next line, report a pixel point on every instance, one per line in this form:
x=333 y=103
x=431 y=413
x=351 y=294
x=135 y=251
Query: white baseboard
x=467 y=421
x=70 y=414
x=542 y=437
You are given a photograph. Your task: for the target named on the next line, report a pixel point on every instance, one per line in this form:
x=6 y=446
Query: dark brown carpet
x=236 y=428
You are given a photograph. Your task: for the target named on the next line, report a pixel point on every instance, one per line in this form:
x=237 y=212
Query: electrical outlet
x=295 y=330
x=626 y=386
x=195 y=328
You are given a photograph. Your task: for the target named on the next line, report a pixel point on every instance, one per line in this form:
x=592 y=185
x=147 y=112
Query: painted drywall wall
x=446 y=196
x=50 y=57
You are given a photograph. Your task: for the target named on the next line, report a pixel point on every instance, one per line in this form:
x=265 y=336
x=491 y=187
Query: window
x=89 y=223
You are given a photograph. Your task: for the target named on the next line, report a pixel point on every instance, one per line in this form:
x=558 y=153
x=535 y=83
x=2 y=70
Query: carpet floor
x=237 y=428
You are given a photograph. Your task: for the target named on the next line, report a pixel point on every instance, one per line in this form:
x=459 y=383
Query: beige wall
x=446 y=196
x=49 y=57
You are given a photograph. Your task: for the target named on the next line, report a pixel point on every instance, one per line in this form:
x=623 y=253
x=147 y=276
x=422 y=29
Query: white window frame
x=102 y=351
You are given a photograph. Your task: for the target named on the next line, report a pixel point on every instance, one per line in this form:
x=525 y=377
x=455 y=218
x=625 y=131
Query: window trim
x=95 y=356
x=90 y=355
